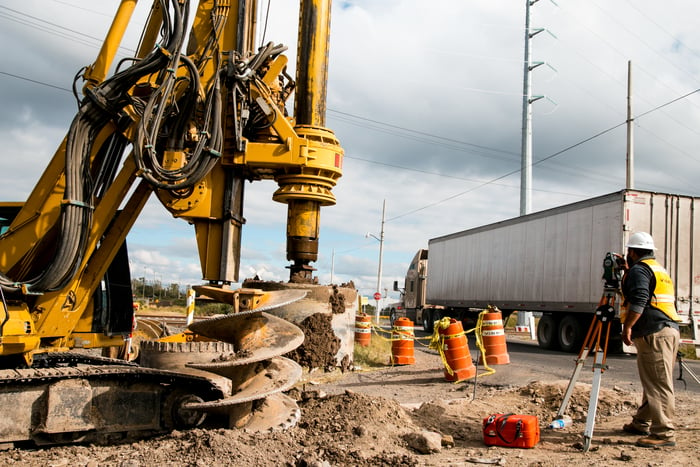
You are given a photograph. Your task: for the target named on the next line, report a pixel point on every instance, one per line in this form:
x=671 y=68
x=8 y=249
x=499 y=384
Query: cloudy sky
x=426 y=99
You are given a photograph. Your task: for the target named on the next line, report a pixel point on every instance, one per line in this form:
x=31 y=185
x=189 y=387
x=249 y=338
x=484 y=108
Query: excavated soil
x=374 y=425
x=320 y=343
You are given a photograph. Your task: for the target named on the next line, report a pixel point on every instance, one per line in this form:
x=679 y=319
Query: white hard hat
x=641 y=240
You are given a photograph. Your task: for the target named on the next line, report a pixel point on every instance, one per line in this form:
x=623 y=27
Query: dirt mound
x=546 y=398
x=356 y=429
x=343 y=429
x=462 y=418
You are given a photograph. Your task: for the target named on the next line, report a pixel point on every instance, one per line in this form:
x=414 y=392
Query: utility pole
x=528 y=99
x=525 y=318
x=629 y=184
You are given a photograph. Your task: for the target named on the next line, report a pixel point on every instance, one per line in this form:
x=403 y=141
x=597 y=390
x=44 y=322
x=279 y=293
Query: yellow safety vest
x=663 y=297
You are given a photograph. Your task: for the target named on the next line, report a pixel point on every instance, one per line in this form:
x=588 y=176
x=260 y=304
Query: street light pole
x=381 y=251
x=332 y=264
x=143 y=295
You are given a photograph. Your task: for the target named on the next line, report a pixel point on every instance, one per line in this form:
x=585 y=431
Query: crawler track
x=101 y=401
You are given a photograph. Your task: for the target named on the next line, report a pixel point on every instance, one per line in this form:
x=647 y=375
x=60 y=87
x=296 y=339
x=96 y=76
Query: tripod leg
x=690 y=371
x=598 y=368
x=580 y=361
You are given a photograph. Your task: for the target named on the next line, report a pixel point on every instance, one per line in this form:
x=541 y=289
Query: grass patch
x=687 y=351
x=209 y=309
x=512 y=321
x=200 y=309
x=376 y=354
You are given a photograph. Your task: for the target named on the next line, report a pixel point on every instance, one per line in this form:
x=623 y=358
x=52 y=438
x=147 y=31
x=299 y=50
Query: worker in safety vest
x=650 y=321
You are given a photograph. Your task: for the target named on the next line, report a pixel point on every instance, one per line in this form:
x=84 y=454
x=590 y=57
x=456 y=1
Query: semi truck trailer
x=551 y=263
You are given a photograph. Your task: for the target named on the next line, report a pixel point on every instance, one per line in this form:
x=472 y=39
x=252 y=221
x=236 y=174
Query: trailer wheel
x=571 y=334
x=426 y=316
x=547 y=332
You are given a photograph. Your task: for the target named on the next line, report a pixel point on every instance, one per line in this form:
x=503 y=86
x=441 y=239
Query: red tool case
x=510 y=430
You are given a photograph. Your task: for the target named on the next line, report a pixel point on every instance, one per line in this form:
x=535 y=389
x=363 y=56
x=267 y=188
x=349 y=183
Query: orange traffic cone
x=494 y=338
x=402 y=342
x=458 y=360
x=363 y=329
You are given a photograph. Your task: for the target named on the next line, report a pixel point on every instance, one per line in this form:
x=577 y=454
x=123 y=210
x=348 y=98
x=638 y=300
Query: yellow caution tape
x=437 y=340
x=480 y=343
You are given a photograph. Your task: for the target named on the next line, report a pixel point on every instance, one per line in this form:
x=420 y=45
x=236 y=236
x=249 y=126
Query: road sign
x=377 y=296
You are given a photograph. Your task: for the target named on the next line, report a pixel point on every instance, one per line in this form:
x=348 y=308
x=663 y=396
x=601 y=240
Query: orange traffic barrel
x=402 y=342
x=494 y=339
x=363 y=329
x=458 y=361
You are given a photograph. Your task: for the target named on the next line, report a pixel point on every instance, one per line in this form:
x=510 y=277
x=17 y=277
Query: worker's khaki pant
x=656 y=356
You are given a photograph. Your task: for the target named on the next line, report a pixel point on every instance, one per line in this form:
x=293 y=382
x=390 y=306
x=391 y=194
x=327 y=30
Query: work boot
x=634 y=429
x=654 y=441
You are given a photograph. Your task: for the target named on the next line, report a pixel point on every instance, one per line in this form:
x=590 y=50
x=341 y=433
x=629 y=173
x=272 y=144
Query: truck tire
x=571 y=333
x=547 y=330
x=427 y=318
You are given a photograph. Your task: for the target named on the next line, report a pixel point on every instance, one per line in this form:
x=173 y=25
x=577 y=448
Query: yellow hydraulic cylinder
x=311 y=187
x=303 y=225
x=312 y=62
x=97 y=72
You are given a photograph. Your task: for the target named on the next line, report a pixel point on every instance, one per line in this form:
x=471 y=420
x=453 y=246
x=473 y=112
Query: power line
x=667 y=103
x=46 y=29
x=482 y=183
x=643 y=114
x=83 y=8
x=409 y=130
x=23 y=78
x=408 y=133
x=73 y=31
x=653 y=76
x=442 y=175
x=59 y=30
x=540 y=161
x=641 y=40
x=651 y=20
x=433 y=142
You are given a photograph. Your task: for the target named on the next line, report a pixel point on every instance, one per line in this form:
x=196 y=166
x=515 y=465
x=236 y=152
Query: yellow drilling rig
x=191 y=117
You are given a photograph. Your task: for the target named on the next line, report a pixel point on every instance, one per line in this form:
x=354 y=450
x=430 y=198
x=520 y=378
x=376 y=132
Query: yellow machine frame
x=298 y=152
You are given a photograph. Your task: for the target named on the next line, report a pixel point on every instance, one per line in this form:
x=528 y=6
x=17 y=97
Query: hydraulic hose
x=101 y=105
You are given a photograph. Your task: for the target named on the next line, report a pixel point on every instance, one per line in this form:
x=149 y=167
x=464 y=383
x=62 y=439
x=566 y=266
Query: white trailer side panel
x=542 y=261
x=552 y=260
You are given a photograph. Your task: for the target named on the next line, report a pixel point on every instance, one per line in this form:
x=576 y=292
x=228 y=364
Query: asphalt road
x=528 y=361
x=425 y=379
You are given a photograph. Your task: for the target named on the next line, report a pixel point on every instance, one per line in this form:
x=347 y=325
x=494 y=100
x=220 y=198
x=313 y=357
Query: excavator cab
x=113 y=304
x=8 y=211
